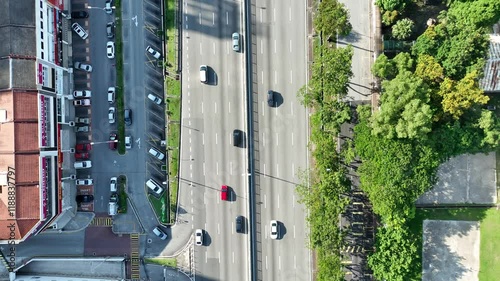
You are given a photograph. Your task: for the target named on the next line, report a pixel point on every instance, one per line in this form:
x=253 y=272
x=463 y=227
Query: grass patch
x=119 y=78
x=122 y=194
x=172 y=262
x=489 y=219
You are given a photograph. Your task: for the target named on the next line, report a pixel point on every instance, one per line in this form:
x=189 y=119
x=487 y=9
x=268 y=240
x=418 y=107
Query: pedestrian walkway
x=134 y=256
x=102 y=221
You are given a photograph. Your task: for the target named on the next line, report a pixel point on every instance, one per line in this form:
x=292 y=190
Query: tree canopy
x=332 y=19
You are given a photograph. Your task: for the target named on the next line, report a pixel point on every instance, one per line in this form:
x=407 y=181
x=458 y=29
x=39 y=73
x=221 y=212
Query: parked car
x=78 y=29
x=82 y=102
x=110 y=49
x=84 y=198
x=113 y=204
x=82 y=129
x=84 y=120
x=84 y=182
x=82 y=94
x=198 y=237
x=111 y=94
x=153 y=52
x=154 y=98
x=83 y=147
x=83 y=66
x=113 y=183
x=160 y=233
x=79 y=14
x=113 y=141
x=127 y=115
x=83 y=164
x=82 y=155
x=110 y=29
x=236 y=41
x=239 y=224
x=154 y=186
x=108 y=7
x=111 y=115
x=275 y=230
x=156 y=153
x=224 y=193
x=128 y=142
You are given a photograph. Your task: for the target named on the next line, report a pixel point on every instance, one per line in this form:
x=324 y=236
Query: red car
x=82 y=155
x=224 y=193
x=113 y=141
x=83 y=147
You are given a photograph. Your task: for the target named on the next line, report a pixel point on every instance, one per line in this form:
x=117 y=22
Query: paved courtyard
x=450 y=250
x=464 y=179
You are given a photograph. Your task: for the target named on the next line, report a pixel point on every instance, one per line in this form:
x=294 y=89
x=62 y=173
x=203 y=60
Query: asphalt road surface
x=280 y=138
x=210 y=113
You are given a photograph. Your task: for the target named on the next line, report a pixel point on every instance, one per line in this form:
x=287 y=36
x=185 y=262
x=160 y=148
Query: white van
x=203 y=74
x=156 y=153
x=113 y=205
x=154 y=186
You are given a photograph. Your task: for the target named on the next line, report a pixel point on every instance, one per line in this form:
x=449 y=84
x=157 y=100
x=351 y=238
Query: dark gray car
x=128 y=117
x=110 y=29
x=270 y=98
x=239 y=224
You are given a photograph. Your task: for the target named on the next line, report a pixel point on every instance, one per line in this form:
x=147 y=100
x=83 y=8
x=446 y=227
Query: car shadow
x=212 y=77
x=282 y=229
x=278 y=99
x=232 y=194
x=207 y=239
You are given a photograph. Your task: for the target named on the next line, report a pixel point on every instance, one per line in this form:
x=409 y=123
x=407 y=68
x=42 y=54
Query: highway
x=210 y=113
x=280 y=139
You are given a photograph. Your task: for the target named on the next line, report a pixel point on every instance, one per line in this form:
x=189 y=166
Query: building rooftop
x=491 y=80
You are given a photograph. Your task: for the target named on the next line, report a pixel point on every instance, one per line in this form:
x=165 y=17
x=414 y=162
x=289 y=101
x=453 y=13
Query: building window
x=41 y=14
x=41 y=4
x=41 y=24
x=42 y=55
x=41 y=45
x=41 y=34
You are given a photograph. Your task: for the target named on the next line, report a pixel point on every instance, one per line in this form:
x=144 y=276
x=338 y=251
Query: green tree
x=459 y=97
x=491 y=128
x=384 y=67
x=406 y=92
x=389 y=17
x=429 y=69
x=396 y=254
x=403 y=61
x=391 y=5
x=332 y=19
x=403 y=29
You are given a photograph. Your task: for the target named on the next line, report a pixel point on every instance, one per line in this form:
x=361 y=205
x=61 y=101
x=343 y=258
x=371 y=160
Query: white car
x=275 y=230
x=160 y=233
x=113 y=182
x=82 y=102
x=84 y=120
x=154 y=186
x=83 y=164
x=78 y=29
x=108 y=8
x=153 y=52
x=83 y=66
x=128 y=142
x=198 y=237
x=84 y=182
x=154 y=98
x=111 y=115
x=82 y=94
x=236 y=41
x=156 y=153
x=110 y=49
x=111 y=94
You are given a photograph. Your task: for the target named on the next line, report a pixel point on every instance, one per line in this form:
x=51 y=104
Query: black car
x=270 y=98
x=128 y=117
x=84 y=198
x=239 y=224
x=79 y=15
x=237 y=138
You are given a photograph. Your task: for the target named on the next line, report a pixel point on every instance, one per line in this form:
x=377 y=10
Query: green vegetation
x=332 y=19
x=403 y=29
x=489 y=219
x=173 y=113
x=431 y=108
x=172 y=262
x=324 y=186
x=122 y=194
x=119 y=78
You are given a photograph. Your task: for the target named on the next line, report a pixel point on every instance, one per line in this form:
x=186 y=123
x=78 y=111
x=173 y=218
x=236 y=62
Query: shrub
x=389 y=17
x=403 y=29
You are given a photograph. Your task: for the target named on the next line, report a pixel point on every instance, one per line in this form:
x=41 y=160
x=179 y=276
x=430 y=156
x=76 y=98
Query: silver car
x=83 y=66
x=236 y=41
x=78 y=29
x=111 y=115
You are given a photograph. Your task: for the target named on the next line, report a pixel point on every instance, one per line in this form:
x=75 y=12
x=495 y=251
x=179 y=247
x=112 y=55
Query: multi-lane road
x=210 y=113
